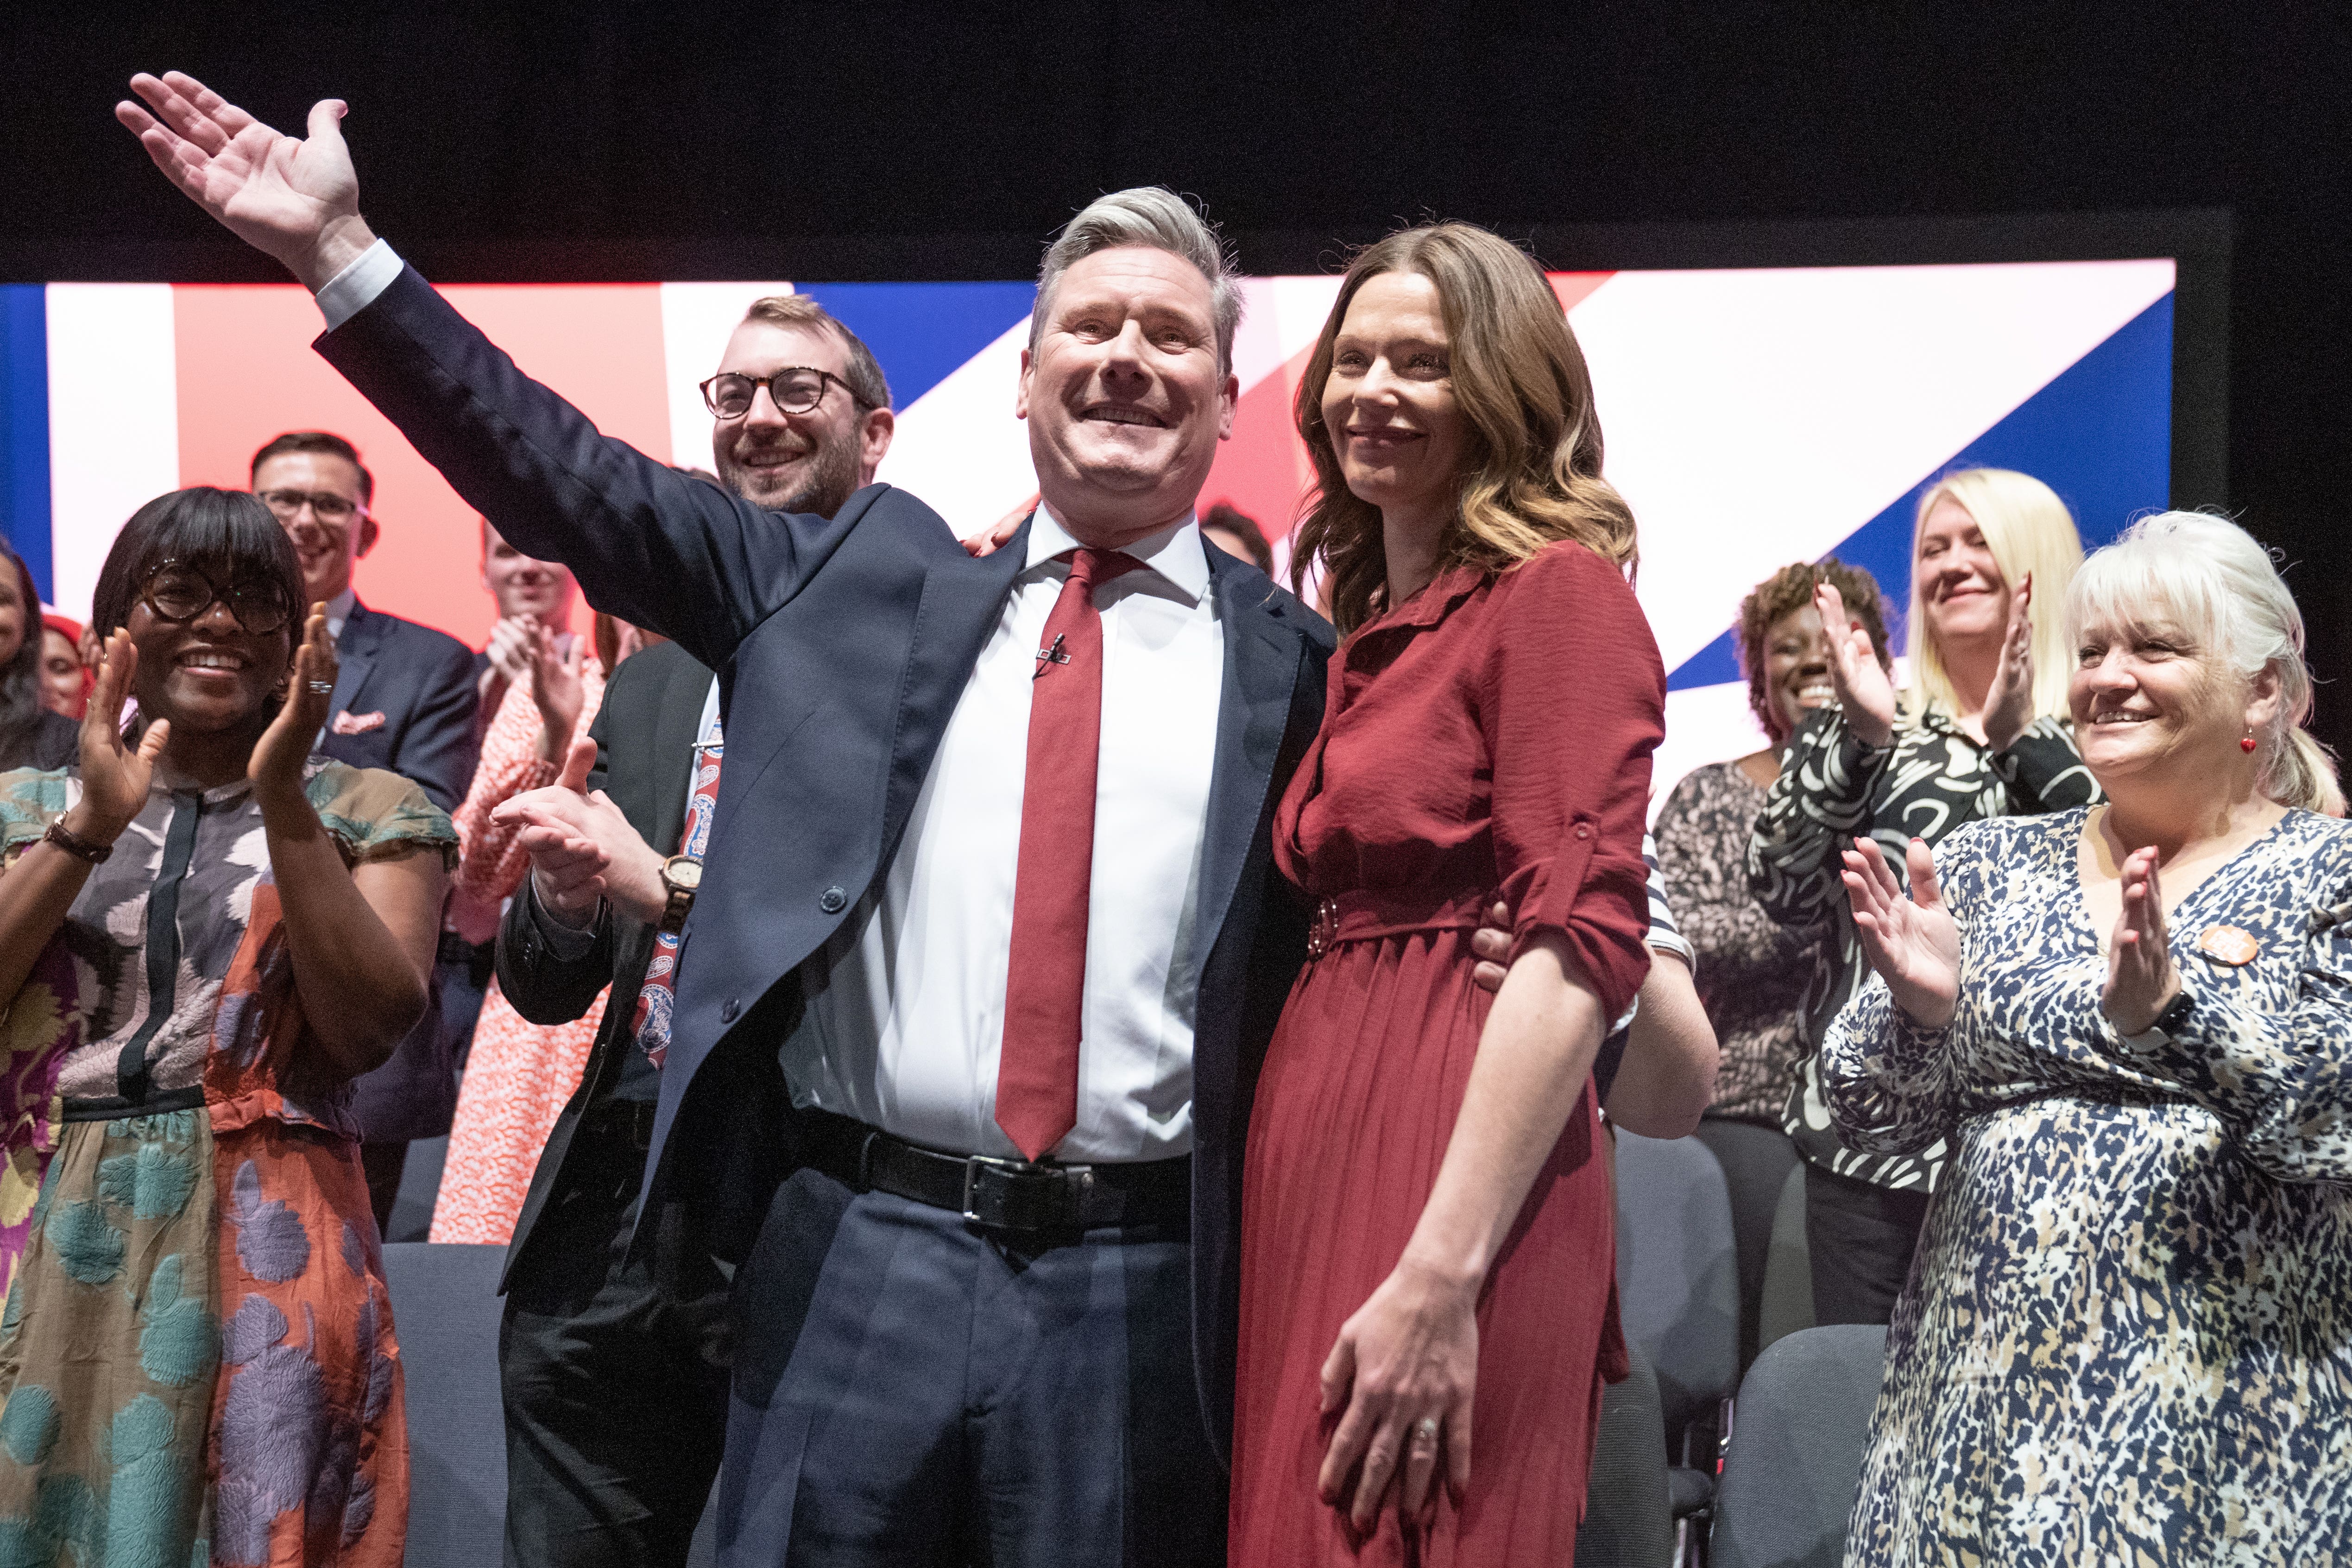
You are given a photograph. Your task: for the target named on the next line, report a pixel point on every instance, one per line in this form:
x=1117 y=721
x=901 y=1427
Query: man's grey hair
x=1156 y=218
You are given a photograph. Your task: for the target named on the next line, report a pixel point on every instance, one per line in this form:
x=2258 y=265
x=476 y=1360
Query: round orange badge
x=2226 y=945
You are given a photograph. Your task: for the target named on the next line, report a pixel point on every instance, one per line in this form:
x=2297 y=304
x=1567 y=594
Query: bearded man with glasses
x=403 y=701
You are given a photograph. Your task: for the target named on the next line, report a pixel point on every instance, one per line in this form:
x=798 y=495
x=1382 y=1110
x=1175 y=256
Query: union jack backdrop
x=1754 y=416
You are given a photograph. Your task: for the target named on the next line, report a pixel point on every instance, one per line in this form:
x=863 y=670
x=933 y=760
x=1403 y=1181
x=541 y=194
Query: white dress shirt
x=905 y=1004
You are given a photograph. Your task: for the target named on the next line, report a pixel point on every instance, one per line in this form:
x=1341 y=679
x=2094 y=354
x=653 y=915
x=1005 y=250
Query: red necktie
x=1037 y=1071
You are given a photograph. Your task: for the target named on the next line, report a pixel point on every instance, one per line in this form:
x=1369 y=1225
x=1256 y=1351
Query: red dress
x=1491 y=736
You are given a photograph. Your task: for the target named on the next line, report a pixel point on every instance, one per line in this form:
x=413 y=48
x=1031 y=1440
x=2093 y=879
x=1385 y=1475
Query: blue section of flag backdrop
x=25 y=426
x=923 y=332
x=2100 y=434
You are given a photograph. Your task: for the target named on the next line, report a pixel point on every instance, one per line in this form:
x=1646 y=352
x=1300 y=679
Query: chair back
x=1756 y=1162
x=1627 y=1521
x=1795 y=1464
x=445 y=1309
x=1678 y=1274
x=1788 y=1302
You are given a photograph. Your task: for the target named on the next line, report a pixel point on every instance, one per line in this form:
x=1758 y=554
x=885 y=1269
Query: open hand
x=294 y=200
x=511 y=645
x=114 y=777
x=1408 y=1356
x=2141 y=980
x=555 y=688
x=276 y=766
x=1864 y=694
x=1912 y=941
x=2009 y=701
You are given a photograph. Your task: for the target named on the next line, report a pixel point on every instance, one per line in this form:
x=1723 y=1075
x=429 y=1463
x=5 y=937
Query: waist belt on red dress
x=1363 y=915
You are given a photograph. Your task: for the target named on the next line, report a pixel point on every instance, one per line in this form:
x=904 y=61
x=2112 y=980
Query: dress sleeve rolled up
x=1572 y=705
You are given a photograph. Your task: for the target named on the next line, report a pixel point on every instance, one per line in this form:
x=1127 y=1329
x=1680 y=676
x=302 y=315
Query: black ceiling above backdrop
x=906 y=140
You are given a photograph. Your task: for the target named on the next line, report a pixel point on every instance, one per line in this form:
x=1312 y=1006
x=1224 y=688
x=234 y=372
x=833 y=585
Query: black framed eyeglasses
x=326 y=505
x=796 y=389
x=175 y=590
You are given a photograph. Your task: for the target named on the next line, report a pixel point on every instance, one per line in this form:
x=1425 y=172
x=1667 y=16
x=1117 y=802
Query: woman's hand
x=276 y=768
x=1911 y=941
x=114 y=777
x=2009 y=701
x=2141 y=980
x=1407 y=1358
x=1863 y=693
x=555 y=688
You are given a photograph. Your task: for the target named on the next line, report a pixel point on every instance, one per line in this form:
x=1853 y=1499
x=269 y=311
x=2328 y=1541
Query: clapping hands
x=2009 y=701
x=2141 y=980
x=582 y=849
x=1912 y=941
x=1864 y=694
x=114 y=777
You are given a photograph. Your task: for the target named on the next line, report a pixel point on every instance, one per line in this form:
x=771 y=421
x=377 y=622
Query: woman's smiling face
x=206 y=673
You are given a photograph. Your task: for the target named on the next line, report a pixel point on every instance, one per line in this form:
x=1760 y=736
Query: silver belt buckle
x=971 y=1167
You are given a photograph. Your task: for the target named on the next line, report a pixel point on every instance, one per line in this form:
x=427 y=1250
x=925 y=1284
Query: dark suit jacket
x=422 y=684
x=842 y=645
x=645 y=735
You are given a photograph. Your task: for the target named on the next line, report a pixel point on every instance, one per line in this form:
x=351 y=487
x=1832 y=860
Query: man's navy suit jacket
x=413 y=689
x=842 y=645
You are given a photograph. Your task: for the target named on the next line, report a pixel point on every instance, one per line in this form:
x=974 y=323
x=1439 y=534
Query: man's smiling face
x=1124 y=394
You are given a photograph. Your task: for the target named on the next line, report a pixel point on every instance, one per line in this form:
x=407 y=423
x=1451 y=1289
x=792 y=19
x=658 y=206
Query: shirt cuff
x=354 y=288
x=565 y=944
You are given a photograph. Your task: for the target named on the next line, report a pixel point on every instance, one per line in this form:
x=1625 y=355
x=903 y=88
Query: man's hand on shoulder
x=292 y=199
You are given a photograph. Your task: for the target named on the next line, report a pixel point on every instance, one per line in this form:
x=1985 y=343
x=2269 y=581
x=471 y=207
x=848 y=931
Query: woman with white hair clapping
x=2127 y=1336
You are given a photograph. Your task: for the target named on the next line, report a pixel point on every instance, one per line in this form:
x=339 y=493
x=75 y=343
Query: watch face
x=681 y=873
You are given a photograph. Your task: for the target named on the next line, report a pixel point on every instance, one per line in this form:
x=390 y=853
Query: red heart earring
x=2247 y=744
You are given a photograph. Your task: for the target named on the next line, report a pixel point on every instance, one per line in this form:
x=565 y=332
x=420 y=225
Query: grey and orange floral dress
x=2127 y=1334
x=196 y=1358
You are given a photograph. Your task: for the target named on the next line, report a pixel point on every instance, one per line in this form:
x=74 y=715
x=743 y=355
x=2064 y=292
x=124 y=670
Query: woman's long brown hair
x=1531 y=471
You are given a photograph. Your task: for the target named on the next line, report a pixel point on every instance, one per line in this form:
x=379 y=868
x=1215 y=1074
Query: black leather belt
x=1011 y=1196
x=627 y=1122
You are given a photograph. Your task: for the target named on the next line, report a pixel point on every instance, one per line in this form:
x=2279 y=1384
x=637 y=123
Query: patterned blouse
x=1832 y=788
x=189 y=863
x=1751 y=969
x=2127 y=1336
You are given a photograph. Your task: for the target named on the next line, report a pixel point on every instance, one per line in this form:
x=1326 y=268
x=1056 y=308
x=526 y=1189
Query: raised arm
x=1885 y=1065
x=656 y=547
x=1826 y=794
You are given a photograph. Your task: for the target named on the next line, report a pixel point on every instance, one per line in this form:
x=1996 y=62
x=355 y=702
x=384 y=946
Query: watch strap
x=74 y=844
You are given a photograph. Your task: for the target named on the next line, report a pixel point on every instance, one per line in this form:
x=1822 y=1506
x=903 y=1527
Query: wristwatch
x=74 y=844
x=2162 y=1028
x=681 y=874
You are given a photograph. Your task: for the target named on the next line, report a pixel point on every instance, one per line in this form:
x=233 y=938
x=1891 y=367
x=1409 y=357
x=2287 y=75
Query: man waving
x=989 y=878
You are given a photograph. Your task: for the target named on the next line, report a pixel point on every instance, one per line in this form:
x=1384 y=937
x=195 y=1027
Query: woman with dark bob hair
x=206 y=935
x=1426 y=1221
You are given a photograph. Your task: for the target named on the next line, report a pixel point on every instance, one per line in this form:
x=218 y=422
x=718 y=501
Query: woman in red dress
x=1428 y=1299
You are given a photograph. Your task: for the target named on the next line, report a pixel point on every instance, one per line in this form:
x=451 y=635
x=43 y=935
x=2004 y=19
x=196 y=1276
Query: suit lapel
x=961 y=598
x=355 y=652
x=1262 y=664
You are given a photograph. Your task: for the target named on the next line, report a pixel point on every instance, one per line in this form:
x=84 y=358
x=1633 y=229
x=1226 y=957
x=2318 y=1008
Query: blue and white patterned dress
x=2127 y=1334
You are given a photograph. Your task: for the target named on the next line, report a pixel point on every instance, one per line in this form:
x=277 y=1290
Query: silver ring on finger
x=322 y=688
x=1424 y=1433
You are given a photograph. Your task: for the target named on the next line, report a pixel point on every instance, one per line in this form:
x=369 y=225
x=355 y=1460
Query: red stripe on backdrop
x=1572 y=286
x=247 y=373
x=1263 y=471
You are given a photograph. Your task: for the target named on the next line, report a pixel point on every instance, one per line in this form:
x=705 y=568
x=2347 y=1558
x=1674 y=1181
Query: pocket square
x=349 y=722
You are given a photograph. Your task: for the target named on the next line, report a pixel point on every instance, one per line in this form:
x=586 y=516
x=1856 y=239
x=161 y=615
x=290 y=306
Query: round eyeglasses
x=796 y=389
x=175 y=591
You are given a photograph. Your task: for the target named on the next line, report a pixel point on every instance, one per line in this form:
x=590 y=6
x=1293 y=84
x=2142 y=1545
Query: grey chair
x=1788 y=1302
x=1756 y=1161
x=1795 y=1464
x=1678 y=1292
x=420 y=1189
x=1627 y=1521
x=445 y=1309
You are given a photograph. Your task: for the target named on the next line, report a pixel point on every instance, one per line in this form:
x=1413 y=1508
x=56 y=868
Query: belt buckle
x=973 y=1165
x=1324 y=934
